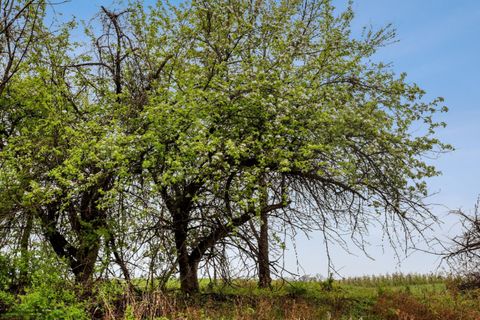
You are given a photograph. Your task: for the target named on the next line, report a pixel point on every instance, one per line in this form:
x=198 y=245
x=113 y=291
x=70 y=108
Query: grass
x=402 y=297
x=392 y=297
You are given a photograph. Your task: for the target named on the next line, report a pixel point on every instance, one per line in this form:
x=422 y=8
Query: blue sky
x=439 y=48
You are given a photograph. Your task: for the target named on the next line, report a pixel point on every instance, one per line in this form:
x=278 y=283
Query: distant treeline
x=395 y=279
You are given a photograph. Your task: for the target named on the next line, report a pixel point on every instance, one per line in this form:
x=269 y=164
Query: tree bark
x=85 y=222
x=189 y=277
x=188 y=267
x=86 y=259
x=264 y=277
x=180 y=204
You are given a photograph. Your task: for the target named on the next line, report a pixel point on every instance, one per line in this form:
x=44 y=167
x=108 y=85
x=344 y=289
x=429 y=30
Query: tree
x=18 y=32
x=464 y=253
x=60 y=158
x=20 y=28
x=260 y=89
x=190 y=123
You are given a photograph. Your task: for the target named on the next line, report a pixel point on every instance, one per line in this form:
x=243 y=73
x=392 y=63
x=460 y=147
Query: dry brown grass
x=250 y=309
x=351 y=303
x=158 y=305
x=404 y=306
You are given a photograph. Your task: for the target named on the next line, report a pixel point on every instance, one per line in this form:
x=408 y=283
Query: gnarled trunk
x=180 y=206
x=85 y=220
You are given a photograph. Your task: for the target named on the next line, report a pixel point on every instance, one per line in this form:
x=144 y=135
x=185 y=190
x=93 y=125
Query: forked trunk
x=82 y=257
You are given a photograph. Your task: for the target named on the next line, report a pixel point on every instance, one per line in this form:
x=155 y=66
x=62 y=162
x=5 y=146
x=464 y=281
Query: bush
x=468 y=282
x=296 y=290
x=6 y=272
x=48 y=295
x=49 y=303
x=7 y=300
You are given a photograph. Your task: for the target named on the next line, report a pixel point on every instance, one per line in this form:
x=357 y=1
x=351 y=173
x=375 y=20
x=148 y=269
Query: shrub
x=467 y=282
x=48 y=295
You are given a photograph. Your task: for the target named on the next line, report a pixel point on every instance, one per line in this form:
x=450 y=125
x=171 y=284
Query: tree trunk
x=188 y=267
x=86 y=259
x=121 y=263
x=189 y=277
x=81 y=258
x=264 y=278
